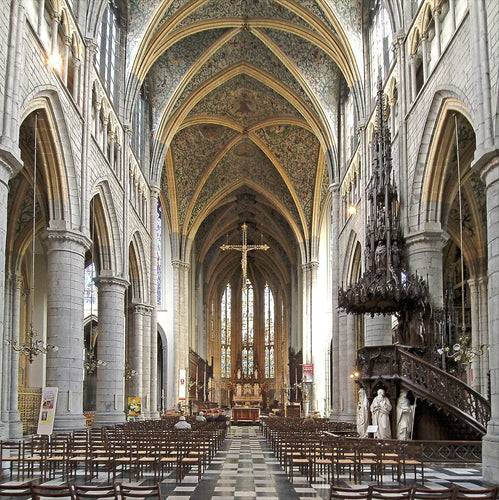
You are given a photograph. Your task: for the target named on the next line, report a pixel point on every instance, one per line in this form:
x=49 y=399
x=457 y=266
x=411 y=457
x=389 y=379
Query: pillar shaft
x=111 y=348
x=65 y=288
x=490 y=456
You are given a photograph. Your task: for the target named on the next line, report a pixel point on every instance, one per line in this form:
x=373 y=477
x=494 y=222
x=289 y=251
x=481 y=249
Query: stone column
x=14 y=418
x=5 y=376
x=335 y=282
x=452 y=15
x=135 y=355
x=65 y=287
x=475 y=333
x=153 y=299
x=181 y=324
x=378 y=330
x=7 y=171
x=424 y=50
x=424 y=252
x=309 y=271
x=341 y=372
x=111 y=347
x=349 y=411
x=146 y=362
x=483 y=316
x=490 y=442
x=412 y=63
x=76 y=81
x=65 y=60
x=438 y=39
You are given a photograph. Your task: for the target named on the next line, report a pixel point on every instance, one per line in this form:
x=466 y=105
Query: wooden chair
x=127 y=491
x=349 y=493
x=392 y=494
x=411 y=456
x=10 y=453
x=389 y=460
x=477 y=494
x=442 y=493
x=34 y=455
x=15 y=491
x=39 y=491
x=81 y=492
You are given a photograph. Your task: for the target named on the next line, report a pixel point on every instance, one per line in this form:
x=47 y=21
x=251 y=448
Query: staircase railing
x=393 y=363
x=443 y=388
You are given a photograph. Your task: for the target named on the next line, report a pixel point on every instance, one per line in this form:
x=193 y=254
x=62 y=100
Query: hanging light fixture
x=90 y=363
x=32 y=346
x=462 y=351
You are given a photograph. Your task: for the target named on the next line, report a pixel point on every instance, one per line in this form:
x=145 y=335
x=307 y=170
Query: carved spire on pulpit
x=386 y=287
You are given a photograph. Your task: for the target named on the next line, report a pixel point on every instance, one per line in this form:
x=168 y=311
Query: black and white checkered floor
x=246 y=467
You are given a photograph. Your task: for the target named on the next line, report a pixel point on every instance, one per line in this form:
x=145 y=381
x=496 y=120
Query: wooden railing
x=395 y=364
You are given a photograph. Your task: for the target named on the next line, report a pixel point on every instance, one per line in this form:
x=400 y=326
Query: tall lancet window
x=247 y=330
x=225 y=333
x=269 y=332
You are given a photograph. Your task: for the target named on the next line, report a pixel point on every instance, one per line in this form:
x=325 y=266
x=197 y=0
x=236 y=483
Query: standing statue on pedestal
x=405 y=416
x=362 y=414
x=380 y=410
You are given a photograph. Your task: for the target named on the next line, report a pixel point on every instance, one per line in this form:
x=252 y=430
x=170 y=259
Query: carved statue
x=405 y=416
x=380 y=410
x=362 y=414
x=256 y=390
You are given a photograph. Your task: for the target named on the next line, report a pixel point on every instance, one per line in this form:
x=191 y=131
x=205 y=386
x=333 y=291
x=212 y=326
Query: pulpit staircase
x=464 y=411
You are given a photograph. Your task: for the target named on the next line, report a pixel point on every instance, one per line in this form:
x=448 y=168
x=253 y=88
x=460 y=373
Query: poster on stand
x=47 y=411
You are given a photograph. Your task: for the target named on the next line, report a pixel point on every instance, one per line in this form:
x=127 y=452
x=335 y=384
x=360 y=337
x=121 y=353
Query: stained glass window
x=269 y=331
x=159 y=234
x=247 y=330
x=225 y=332
x=90 y=298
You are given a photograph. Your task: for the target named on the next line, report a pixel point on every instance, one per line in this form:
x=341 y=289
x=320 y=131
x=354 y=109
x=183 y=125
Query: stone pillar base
x=69 y=422
x=490 y=452
x=4 y=431
x=102 y=419
x=15 y=426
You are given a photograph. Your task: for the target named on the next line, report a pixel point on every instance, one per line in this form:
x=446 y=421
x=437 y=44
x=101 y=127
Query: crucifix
x=244 y=249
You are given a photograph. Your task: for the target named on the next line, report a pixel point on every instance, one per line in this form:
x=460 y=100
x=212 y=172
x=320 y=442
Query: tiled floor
x=246 y=468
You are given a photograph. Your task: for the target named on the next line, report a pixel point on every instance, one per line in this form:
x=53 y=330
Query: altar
x=245 y=414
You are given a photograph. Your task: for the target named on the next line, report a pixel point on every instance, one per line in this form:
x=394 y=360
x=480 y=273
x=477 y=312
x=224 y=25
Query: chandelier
x=462 y=351
x=90 y=363
x=129 y=372
x=32 y=346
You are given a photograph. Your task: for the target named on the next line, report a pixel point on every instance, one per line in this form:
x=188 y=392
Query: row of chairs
x=337 y=456
x=412 y=493
x=120 y=449
x=116 y=491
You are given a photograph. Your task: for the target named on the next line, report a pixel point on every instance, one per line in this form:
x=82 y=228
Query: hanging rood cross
x=244 y=249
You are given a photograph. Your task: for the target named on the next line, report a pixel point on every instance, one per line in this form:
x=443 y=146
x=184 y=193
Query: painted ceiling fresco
x=244 y=99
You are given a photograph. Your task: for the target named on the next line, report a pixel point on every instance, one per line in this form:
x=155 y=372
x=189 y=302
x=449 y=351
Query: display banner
x=181 y=384
x=47 y=411
x=308 y=373
x=134 y=407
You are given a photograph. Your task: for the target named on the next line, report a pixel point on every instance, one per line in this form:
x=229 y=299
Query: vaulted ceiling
x=245 y=97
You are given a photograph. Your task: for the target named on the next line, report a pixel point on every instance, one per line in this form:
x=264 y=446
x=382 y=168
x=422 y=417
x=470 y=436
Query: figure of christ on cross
x=244 y=249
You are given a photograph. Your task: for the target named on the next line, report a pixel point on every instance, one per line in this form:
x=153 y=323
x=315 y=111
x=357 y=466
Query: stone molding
x=180 y=264
x=10 y=166
x=115 y=281
x=57 y=236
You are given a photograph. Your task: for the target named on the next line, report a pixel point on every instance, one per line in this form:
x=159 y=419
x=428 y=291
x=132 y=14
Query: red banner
x=308 y=373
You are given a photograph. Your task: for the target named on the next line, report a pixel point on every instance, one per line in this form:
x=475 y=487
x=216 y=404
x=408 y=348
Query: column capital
x=66 y=237
x=10 y=164
x=334 y=187
x=111 y=281
x=155 y=191
x=140 y=308
x=180 y=264
x=488 y=166
x=310 y=266
x=433 y=236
